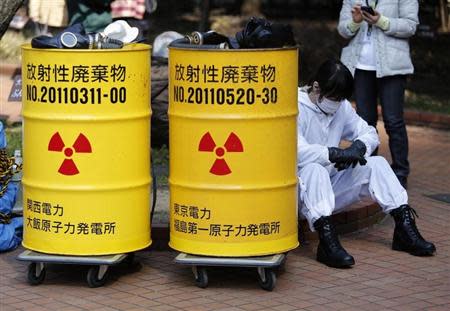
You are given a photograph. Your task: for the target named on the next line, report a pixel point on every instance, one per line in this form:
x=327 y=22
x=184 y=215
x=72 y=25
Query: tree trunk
x=443 y=12
x=204 y=19
x=7 y=10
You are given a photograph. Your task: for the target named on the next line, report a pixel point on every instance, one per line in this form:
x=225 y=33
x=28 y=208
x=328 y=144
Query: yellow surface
x=237 y=198
x=86 y=145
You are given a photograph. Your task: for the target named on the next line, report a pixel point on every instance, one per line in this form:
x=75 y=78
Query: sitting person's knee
x=377 y=161
x=313 y=168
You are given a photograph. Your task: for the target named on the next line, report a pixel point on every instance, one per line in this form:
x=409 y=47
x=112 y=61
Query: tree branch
x=7 y=10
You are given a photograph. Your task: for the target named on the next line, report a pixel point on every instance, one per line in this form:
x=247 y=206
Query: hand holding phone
x=368 y=10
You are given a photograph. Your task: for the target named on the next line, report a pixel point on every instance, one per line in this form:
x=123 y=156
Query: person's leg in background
x=392 y=97
x=366 y=97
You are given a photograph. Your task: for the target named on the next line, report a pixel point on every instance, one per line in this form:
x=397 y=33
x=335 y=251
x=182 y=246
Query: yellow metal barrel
x=233 y=149
x=86 y=148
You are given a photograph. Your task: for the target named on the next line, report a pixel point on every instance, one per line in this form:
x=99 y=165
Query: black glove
x=260 y=33
x=351 y=156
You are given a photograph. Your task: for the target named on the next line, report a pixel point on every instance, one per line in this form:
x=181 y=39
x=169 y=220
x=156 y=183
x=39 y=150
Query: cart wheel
x=97 y=276
x=282 y=266
x=36 y=273
x=129 y=260
x=267 y=279
x=201 y=276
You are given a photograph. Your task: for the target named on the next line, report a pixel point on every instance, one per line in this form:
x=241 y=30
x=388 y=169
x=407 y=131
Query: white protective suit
x=323 y=190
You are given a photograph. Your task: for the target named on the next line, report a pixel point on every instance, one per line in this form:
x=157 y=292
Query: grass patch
x=160 y=158
x=13 y=139
x=10 y=46
x=427 y=103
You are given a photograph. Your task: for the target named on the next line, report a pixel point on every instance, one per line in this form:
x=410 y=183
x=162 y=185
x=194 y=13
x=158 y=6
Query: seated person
x=332 y=178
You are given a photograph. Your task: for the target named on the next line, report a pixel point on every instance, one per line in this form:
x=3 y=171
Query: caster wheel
x=267 y=279
x=36 y=273
x=129 y=260
x=97 y=276
x=282 y=266
x=201 y=277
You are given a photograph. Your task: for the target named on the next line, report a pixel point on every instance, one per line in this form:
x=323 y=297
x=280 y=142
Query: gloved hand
x=260 y=33
x=351 y=156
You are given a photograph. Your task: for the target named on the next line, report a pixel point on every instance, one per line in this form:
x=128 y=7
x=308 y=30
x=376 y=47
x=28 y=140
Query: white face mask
x=328 y=106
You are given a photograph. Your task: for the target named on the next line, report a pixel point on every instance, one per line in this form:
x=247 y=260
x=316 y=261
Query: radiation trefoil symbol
x=81 y=145
x=220 y=166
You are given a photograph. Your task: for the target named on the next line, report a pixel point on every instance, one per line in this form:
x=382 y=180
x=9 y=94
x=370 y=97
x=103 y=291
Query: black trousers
x=391 y=92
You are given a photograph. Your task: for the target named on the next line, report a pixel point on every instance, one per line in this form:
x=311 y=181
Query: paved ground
x=381 y=279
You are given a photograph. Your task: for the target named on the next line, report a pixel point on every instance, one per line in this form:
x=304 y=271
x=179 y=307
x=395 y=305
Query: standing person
x=136 y=13
x=332 y=178
x=378 y=57
x=50 y=16
x=95 y=15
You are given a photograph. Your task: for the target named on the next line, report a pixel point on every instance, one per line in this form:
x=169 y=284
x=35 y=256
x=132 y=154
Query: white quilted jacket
x=392 y=47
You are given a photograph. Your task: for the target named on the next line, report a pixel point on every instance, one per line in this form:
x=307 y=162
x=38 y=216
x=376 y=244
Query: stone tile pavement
x=382 y=279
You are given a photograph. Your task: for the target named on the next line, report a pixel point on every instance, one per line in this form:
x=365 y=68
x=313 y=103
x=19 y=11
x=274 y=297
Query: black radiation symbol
x=81 y=145
x=220 y=166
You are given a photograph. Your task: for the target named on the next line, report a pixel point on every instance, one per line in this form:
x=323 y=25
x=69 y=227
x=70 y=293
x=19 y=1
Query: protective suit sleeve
x=356 y=128
x=311 y=153
x=405 y=25
x=8 y=199
x=11 y=234
x=345 y=20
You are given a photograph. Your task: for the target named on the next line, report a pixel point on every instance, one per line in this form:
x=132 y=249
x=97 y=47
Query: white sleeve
x=405 y=25
x=345 y=18
x=311 y=153
x=356 y=128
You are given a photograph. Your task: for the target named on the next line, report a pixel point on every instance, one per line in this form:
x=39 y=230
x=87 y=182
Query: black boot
x=330 y=250
x=407 y=237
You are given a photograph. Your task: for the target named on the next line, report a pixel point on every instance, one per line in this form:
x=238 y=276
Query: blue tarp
x=2 y=137
x=8 y=199
x=10 y=233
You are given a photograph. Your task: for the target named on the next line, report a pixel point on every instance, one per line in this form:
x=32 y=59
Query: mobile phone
x=368 y=9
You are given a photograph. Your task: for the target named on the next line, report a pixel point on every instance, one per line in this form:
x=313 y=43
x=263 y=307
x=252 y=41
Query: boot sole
x=343 y=266
x=413 y=252
x=333 y=264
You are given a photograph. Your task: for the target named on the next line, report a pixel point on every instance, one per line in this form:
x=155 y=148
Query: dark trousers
x=391 y=92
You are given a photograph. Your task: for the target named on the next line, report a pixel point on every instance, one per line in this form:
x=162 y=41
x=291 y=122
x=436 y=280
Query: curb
x=356 y=218
x=423 y=118
x=433 y=120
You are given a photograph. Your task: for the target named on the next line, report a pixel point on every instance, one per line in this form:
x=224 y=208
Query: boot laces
x=409 y=215
x=331 y=236
x=327 y=232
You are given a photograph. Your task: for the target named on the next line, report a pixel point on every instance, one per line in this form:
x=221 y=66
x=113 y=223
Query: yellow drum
x=233 y=149
x=86 y=143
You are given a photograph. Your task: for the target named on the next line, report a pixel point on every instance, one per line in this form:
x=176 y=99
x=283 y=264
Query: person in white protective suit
x=331 y=178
